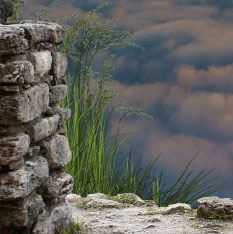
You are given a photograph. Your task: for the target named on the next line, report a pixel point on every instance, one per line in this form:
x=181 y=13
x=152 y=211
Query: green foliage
x=73 y=229
x=95 y=165
x=135 y=177
x=188 y=187
x=92 y=164
x=17 y=11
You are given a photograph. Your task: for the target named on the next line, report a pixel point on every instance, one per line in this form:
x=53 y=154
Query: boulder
x=215 y=208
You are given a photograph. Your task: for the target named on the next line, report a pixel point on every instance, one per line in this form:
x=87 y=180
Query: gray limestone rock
x=12 y=150
x=215 y=208
x=22 y=182
x=64 y=113
x=60 y=67
x=58 y=186
x=22 y=213
x=59 y=219
x=176 y=208
x=57 y=94
x=5 y=89
x=18 y=72
x=12 y=40
x=42 y=62
x=33 y=153
x=25 y=106
x=44 y=128
x=145 y=219
x=43 y=31
x=57 y=151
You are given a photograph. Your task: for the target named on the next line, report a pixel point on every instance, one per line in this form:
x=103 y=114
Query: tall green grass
x=17 y=11
x=96 y=165
x=92 y=164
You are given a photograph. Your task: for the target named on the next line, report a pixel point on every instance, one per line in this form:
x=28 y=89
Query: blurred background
x=180 y=74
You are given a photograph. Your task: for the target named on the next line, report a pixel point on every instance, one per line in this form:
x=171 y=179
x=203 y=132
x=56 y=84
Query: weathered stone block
x=12 y=89
x=58 y=185
x=43 y=32
x=42 y=62
x=59 y=219
x=18 y=72
x=60 y=64
x=22 y=213
x=57 y=151
x=25 y=106
x=215 y=208
x=64 y=113
x=12 y=40
x=57 y=94
x=21 y=183
x=34 y=151
x=44 y=128
x=12 y=150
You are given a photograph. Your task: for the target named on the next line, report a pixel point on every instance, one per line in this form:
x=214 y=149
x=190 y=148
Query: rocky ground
x=127 y=213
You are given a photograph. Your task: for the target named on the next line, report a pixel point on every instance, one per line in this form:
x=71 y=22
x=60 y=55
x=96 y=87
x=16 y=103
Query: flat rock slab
x=18 y=38
x=147 y=219
x=43 y=31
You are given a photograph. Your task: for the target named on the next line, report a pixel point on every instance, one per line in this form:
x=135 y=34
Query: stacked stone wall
x=33 y=147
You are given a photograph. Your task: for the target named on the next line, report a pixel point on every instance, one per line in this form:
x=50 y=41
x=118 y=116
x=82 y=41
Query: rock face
x=101 y=214
x=33 y=151
x=215 y=208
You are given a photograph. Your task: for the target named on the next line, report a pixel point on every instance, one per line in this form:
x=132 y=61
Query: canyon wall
x=33 y=147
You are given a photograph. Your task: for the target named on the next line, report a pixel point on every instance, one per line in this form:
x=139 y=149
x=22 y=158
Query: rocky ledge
x=127 y=213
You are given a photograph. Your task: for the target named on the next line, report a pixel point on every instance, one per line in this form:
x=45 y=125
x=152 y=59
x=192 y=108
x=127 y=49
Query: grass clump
x=96 y=165
x=187 y=188
x=72 y=229
x=93 y=161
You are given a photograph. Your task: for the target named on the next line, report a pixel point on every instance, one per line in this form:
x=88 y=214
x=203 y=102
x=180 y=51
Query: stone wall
x=33 y=145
